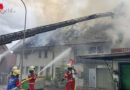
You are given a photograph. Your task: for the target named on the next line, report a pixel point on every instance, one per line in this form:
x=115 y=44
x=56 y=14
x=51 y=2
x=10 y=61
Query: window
x=25 y=56
x=22 y=70
x=47 y=71
x=92 y=50
x=57 y=69
x=39 y=55
x=21 y=56
x=100 y=49
x=36 y=69
x=46 y=54
x=96 y=49
x=27 y=70
x=41 y=73
x=41 y=68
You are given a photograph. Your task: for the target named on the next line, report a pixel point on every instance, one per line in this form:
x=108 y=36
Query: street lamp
x=25 y=21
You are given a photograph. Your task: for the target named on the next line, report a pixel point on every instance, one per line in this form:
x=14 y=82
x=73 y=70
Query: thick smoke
x=50 y=11
x=105 y=29
x=115 y=29
x=120 y=33
x=41 y=12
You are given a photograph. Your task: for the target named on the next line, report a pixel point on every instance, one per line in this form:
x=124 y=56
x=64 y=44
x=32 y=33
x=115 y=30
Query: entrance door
x=104 y=79
x=125 y=76
x=92 y=78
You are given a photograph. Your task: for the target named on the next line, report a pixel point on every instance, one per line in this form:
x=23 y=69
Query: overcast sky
x=13 y=19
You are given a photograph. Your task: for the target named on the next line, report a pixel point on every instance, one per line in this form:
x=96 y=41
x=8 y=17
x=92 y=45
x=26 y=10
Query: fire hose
x=21 y=83
x=70 y=61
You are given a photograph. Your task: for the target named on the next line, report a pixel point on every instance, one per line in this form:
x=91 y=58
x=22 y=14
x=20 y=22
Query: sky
x=13 y=19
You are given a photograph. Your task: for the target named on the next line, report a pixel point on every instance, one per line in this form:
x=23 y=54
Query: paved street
x=3 y=87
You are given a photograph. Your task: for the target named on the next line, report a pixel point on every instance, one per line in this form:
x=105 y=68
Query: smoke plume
x=106 y=29
x=42 y=12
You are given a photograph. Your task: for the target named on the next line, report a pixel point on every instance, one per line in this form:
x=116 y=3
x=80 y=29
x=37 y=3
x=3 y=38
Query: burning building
x=40 y=56
x=82 y=39
x=85 y=40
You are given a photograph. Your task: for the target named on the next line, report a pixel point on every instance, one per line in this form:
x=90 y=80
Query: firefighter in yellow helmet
x=14 y=80
x=16 y=72
x=13 y=69
x=70 y=75
x=32 y=75
x=32 y=68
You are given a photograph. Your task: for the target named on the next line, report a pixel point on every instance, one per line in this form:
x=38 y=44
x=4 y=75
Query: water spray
x=58 y=58
x=14 y=47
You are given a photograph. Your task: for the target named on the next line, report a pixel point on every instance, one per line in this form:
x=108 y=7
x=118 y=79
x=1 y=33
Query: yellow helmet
x=32 y=67
x=69 y=65
x=16 y=72
x=14 y=68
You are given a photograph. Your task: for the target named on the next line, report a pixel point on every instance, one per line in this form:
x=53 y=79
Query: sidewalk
x=3 y=87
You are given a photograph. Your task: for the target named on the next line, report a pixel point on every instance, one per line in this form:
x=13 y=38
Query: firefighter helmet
x=32 y=67
x=69 y=65
x=16 y=72
x=14 y=68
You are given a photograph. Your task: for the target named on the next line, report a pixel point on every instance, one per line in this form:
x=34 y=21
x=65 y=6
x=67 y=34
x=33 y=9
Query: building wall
x=92 y=48
x=42 y=57
x=36 y=57
x=97 y=74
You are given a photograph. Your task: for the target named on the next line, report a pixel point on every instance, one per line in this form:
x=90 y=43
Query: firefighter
x=32 y=78
x=13 y=83
x=13 y=69
x=70 y=75
x=11 y=73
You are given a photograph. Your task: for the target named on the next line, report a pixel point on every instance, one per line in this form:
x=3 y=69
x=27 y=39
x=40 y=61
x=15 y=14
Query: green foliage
x=60 y=73
x=47 y=77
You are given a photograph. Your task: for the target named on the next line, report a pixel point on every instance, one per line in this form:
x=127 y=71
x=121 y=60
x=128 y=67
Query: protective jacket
x=32 y=81
x=13 y=83
x=70 y=75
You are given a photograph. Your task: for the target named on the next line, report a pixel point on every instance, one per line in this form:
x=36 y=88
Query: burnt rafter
x=8 y=38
